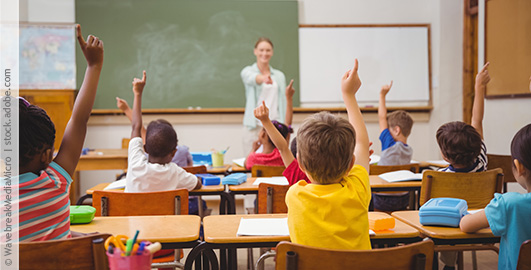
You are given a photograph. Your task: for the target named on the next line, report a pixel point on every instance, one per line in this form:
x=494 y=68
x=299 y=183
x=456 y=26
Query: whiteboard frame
x=371 y=104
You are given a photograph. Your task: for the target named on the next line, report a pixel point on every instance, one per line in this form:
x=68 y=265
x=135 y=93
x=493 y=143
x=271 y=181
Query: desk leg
x=196 y=254
x=412 y=200
x=228 y=202
x=435 y=260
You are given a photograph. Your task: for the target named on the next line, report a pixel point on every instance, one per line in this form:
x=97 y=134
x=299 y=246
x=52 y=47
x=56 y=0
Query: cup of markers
x=133 y=255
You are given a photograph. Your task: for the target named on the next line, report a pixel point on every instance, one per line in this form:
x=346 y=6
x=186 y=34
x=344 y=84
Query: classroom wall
x=445 y=17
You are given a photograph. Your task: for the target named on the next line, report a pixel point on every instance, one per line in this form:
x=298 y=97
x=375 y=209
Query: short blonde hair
x=401 y=119
x=325 y=144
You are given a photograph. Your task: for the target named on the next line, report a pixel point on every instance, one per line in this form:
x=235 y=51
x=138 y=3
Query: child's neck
x=159 y=160
x=268 y=148
x=401 y=138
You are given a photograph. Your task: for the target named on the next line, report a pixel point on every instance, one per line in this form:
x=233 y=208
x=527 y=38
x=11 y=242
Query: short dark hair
x=521 y=147
x=325 y=143
x=401 y=119
x=161 y=138
x=293 y=147
x=459 y=142
x=36 y=131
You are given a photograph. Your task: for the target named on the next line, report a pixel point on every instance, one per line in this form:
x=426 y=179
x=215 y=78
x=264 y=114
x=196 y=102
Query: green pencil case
x=80 y=214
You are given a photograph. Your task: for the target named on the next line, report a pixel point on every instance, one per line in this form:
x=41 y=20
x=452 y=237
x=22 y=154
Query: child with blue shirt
x=509 y=214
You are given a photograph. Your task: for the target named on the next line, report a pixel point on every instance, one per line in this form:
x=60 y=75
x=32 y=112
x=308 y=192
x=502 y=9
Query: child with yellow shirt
x=331 y=211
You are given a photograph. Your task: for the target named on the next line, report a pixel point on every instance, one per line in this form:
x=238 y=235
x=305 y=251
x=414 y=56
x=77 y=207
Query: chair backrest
x=80 y=253
x=505 y=162
x=125 y=143
x=524 y=257
x=477 y=189
x=195 y=169
x=379 y=169
x=119 y=203
x=413 y=256
x=267 y=171
x=271 y=198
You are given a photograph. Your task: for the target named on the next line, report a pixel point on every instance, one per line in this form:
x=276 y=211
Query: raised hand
x=483 y=77
x=350 y=82
x=92 y=48
x=290 y=91
x=262 y=112
x=386 y=88
x=122 y=104
x=138 y=84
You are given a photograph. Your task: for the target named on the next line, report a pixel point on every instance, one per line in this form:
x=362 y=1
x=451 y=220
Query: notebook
x=402 y=175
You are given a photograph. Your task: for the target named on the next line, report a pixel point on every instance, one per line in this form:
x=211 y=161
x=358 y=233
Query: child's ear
x=46 y=156
x=173 y=152
x=519 y=168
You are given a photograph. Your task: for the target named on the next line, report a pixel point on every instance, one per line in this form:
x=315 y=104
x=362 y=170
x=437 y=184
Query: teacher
x=262 y=83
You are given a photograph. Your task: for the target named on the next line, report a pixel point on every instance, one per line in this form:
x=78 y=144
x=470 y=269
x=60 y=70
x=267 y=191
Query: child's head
x=161 y=138
x=460 y=143
x=283 y=129
x=401 y=119
x=521 y=151
x=37 y=134
x=325 y=147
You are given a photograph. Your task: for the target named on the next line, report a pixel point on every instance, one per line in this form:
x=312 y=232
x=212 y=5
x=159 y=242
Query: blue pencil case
x=234 y=179
x=201 y=158
x=209 y=179
x=443 y=212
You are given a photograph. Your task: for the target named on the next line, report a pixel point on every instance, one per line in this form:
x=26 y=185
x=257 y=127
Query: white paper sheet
x=402 y=175
x=277 y=180
x=239 y=161
x=263 y=227
x=374 y=159
x=116 y=185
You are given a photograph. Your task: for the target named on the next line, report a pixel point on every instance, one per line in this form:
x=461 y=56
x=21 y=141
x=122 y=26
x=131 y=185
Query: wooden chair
x=125 y=143
x=271 y=200
x=379 y=169
x=477 y=189
x=505 y=162
x=267 y=171
x=196 y=169
x=413 y=256
x=80 y=253
x=118 y=203
x=524 y=257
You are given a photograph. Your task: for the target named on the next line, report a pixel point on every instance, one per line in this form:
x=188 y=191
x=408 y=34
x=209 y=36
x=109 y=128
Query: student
x=335 y=155
x=292 y=172
x=155 y=172
x=182 y=157
x=394 y=130
x=509 y=214
x=44 y=181
x=462 y=145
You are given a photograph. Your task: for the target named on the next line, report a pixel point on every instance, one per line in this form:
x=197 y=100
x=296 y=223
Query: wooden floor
x=487 y=260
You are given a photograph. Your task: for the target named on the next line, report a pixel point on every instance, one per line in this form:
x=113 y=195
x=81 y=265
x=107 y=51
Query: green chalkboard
x=192 y=51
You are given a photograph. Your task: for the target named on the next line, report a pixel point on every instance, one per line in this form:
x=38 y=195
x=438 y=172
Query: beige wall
x=445 y=17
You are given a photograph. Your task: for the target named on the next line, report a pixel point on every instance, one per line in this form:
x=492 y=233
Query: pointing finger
x=391 y=84
x=144 y=76
x=355 y=68
x=290 y=84
x=79 y=36
x=484 y=68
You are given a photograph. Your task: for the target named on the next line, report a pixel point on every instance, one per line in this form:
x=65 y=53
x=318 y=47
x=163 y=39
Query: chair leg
x=261 y=260
x=460 y=262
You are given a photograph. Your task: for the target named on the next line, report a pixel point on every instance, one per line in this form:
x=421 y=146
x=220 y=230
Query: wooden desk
x=220 y=232
x=446 y=235
x=179 y=231
x=227 y=204
x=99 y=159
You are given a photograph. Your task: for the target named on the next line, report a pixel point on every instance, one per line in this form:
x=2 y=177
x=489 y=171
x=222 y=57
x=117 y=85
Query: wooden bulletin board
x=508 y=47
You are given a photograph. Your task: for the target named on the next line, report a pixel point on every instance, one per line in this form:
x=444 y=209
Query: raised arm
x=290 y=91
x=122 y=105
x=482 y=79
x=350 y=83
x=136 y=122
x=76 y=129
x=262 y=114
x=382 y=108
